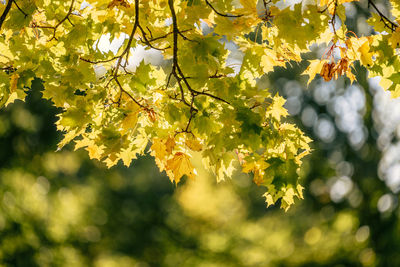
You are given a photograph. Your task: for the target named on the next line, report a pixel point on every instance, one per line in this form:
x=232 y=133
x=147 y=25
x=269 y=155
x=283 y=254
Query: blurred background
x=62 y=209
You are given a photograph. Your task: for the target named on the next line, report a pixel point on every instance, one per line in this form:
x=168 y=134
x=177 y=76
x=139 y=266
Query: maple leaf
x=127 y=155
x=129 y=122
x=269 y=199
x=180 y=165
x=95 y=151
x=169 y=145
x=195 y=101
x=13 y=82
x=130 y=112
x=68 y=137
x=300 y=189
x=366 y=55
x=248 y=166
x=258 y=178
x=116 y=3
x=328 y=71
x=288 y=198
x=158 y=149
x=193 y=144
x=332 y=4
x=394 y=39
x=276 y=110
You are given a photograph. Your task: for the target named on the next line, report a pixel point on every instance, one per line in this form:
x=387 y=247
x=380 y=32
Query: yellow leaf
x=169 y=145
x=394 y=39
x=314 y=68
x=83 y=143
x=95 y=151
x=68 y=138
x=11 y=98
x=250 y=9
x=180 y=165
x=111 y=160
x=118 y=3
x=385 y=83
x=208 y=22
x=396 y=92
x=366 y=56
x=325 y=37
x=276 y=110
x=287 y=199
x=161 y=165
x=258 y=168
x=14 y=82
x=300 y=189
x=248 y=166
x=269 y=60
x=193 y=144
x=332 y=4
x=262 y=164
x=258 y=178
x=269 y=199
x=302 y=154
x=141 y=142
x=6 y=55
x=127 y=155
x=158 y=149
x=130 y=120
x=350 y=75
x=249 y=4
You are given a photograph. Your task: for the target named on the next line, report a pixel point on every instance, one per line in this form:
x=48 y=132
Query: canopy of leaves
x=195 y=100
x=62 y=209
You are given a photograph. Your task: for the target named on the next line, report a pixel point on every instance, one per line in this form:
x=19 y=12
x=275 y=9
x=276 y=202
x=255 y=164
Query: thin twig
x=193 y=112
x=388 y=23
x=125 y=52
x=99 y=61
x=147 y=41
x=15 y=2
x=176 y=70
x=222 y=14
x=54 y=28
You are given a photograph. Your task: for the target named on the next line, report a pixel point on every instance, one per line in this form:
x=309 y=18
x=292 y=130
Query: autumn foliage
x=195 y=100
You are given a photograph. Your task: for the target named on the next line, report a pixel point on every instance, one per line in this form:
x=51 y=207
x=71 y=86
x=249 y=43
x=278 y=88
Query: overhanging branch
x=388 y=23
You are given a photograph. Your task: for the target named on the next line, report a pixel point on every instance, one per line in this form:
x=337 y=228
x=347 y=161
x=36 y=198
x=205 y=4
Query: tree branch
x=126 y=52
x=15 y=2
x=222 y=14
x=5 y=12
x=148 y=42
x=54 y=28
x=388 y=23
x=99 y=61
x=178 y=73
x=176 y=70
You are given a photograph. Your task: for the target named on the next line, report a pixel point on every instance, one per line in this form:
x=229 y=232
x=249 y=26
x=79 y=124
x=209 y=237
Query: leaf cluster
x=195 y=100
